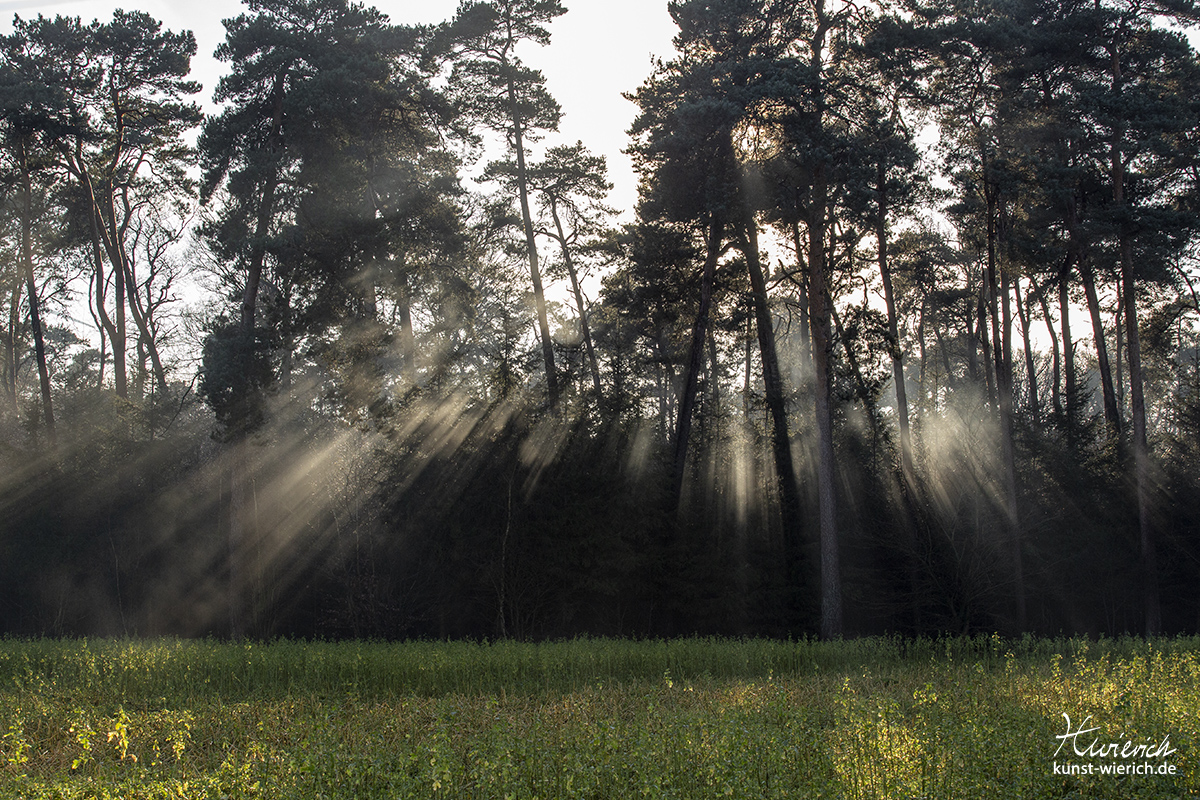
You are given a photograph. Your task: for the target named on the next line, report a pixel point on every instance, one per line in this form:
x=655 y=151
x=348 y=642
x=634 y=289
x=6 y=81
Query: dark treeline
x=902 y=335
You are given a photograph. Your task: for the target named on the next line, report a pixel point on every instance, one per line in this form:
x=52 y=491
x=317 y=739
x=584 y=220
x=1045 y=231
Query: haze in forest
x=815 y=378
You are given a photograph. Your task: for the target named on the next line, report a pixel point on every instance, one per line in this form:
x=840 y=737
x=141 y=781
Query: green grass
x=693 y=718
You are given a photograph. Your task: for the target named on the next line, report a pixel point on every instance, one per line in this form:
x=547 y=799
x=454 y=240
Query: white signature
x=1125 y=748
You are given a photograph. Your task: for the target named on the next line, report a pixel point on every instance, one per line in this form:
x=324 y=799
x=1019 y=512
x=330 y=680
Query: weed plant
x=588 y=718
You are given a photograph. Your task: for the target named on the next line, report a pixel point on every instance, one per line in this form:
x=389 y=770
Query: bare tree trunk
x=1068 y=348
x=238 y=537
x=897 y=352
x=714 y=376
x=584 y=328
x=99 y=247
x=972 y=341
x=691 y=381
x=803 y=302
x=1141 y=450
x=1118 y=347
x=1030 y=370
x=1056 y=358
x=120 y=340
x=746 y=359
x=781 y=445
x=819 y=300
x=35 y=317
x=408 y=338
x=989 y=365
x=539 y=295
x=146 y=340
x=907 y=471
x=1002 y=354
x=11 y=361
x=1112 y=416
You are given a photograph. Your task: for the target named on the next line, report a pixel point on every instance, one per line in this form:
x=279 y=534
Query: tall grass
x=871 y=718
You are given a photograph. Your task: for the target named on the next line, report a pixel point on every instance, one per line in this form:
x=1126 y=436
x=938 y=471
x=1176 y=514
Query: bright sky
x=598 y=49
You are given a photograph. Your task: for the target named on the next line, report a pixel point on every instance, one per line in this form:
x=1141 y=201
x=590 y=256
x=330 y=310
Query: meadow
x=974 y=717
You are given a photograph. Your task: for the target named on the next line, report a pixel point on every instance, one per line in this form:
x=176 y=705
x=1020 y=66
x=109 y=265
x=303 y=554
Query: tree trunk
x=408 y=338
x=1068 y=348
x=1112 y=417
x=1118 y=347
x=691 y=381
x=714 y=377
x=989 y=365
x=1141 y=450
x=584 y=329
x=1002 y=355
x=120 y=339
x=819 y=301
x=99 y=247
x=11 y=361
x=781 y=444
x=897 y=353
x=287 y=334
x=907 y=472
x=35 y=317
x=1056 y=358
x=805 y=330
x=539 y=295
x=239 y=478
x=146 y=340
x=1025 y=316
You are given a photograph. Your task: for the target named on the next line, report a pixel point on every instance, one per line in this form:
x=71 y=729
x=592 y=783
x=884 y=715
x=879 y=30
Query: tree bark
x=819 y=302
x=897 y=353
x=141 y=320
x=695 y=363
x=989 y=365
x=539 y=295
x=1141 y=450
x=35 y=317
x=10 y=348
x=584 y=328
x=408 y=338
x=1068 y=348
x=1112 y=417
x=803 y=303
x=1002 y=355
x=1056 y=358
x=781 y=445
x=116 y=334
x=1024 y=316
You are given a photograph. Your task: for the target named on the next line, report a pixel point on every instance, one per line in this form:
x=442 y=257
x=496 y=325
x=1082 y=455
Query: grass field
x=694 y=718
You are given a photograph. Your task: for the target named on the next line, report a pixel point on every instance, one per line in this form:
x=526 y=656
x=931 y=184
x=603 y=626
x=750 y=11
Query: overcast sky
x=598 y=49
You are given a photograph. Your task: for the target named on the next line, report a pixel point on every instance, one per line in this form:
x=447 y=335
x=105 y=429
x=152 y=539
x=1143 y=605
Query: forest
x=902 y=336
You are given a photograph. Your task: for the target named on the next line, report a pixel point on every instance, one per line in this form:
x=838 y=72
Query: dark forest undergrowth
x=599 y=718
